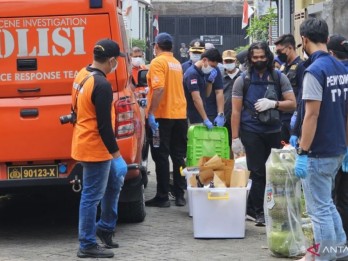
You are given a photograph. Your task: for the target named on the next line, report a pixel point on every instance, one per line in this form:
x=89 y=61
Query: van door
x=39 y=58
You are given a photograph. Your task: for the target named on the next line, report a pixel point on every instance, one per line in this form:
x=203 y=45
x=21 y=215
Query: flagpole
x=251 y=37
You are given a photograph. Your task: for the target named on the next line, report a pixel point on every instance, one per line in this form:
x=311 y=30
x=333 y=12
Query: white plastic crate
x=188 y=172
x=219 y=212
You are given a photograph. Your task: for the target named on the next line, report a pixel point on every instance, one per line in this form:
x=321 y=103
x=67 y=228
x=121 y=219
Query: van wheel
x=132 y=211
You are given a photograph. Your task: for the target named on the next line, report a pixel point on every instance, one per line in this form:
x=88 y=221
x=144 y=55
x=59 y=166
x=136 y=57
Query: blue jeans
x=327 y=223
x=100 y=184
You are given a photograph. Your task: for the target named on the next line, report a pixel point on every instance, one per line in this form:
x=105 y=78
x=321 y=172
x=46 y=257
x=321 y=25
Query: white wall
x=135 y=19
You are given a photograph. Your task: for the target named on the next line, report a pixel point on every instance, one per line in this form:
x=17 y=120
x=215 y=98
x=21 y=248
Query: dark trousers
x=341 y=197
x=173 y=137
x=229 y=132
x=257 y=148
x=285 y=131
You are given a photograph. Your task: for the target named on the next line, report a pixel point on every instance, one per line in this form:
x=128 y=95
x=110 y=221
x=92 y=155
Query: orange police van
x=43 y=44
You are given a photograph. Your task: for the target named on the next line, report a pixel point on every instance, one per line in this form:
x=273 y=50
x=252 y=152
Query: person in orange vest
x=167 y=115
x=94 y=145
x=138 y=62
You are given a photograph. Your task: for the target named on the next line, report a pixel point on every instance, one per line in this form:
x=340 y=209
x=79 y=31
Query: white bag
x=282 y=205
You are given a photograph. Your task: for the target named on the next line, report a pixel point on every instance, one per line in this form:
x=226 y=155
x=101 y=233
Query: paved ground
x=40 y=232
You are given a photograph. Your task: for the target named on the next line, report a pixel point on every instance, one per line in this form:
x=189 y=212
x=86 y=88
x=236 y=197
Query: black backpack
x=271 y=116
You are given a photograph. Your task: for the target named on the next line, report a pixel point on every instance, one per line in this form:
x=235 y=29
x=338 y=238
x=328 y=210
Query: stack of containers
x=203 y=142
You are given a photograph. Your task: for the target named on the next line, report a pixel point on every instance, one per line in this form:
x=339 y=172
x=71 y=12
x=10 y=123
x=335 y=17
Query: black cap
x=338 y=43
x=107 y=48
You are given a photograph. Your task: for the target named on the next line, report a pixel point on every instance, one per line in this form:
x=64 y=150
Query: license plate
x=32 y=172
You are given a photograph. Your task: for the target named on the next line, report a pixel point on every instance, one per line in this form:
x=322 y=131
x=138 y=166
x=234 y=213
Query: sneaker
x=171 y=196
x=180 y=201
x=260 y=220
x=106 y=237
x=95 y=251
x=156 y=202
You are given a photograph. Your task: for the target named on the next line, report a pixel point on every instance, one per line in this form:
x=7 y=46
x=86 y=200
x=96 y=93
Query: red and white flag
x=247 y=13
x=155 y=26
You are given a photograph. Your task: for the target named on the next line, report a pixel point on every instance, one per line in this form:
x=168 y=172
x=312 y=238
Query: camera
x=70 y=118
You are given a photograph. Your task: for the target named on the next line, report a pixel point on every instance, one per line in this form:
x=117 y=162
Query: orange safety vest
x=87 y=144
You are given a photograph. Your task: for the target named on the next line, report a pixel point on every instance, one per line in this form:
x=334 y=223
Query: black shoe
x=106 y=237
x=95 y=251
x=260 y=220
x=180 y=201
x=156 y=202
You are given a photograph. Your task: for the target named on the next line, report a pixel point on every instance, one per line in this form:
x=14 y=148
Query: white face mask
x=154 y=52
x=207 y=70
x=230 y=66
x=137 y=61
x=195 y=57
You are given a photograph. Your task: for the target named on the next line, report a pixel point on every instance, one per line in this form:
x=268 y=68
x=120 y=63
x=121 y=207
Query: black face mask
x=260 y=65
x=283 y=57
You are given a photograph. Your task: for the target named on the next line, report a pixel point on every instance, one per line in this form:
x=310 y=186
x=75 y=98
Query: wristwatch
x=221 y=114
x=301 y=151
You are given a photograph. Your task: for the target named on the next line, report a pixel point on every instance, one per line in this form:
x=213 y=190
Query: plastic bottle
x=156 y=139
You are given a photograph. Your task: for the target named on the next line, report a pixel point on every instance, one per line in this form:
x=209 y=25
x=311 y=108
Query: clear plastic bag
x=282 y=205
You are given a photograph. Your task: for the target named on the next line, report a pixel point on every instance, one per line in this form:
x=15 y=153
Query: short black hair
x=262 y=46
x=315 y=29
x=341 y=55
x=212 y=55
x=100 y=59
x=166 y=46
x=286 y=39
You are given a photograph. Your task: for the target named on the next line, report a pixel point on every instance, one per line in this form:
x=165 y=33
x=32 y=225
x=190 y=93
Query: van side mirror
x=142 y=81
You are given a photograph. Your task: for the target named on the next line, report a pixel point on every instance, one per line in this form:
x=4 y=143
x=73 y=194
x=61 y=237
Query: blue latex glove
x=208 y=124
x=294 y=141
x=153 y=123
x=293 y=120
x=301 y=166
x=345 y=162
x=212 y=76
x=219 y=120
x=120 y=166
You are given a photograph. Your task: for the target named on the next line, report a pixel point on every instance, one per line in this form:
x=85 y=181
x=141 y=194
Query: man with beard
x=248 y=103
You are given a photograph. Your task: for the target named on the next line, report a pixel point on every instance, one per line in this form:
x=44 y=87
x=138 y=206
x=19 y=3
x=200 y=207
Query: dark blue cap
x=163 y=38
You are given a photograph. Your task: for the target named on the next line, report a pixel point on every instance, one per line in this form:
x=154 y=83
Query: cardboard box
x=239 y=178
x=222 y=171
x=215 y=169
x=219 y=212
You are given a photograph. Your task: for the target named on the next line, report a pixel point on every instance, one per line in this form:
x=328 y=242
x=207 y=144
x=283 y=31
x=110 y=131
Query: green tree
x=259 y=27
x=139 y=43
x=241 y=48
